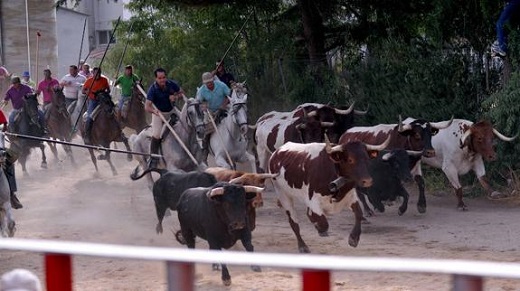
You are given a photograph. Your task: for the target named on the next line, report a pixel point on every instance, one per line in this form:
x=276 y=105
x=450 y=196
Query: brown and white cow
x=305 y=173
x=305 y=124
x=410 y=134
x=462 y=147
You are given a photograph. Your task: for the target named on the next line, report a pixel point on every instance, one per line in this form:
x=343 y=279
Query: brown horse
x=133 y=114
x=59 y=124
x=105 y=130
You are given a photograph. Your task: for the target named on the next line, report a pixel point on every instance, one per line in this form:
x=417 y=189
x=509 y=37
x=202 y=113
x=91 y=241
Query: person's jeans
x=122 y=101
x=509 y=9
x=92 y=104
x=12 y=115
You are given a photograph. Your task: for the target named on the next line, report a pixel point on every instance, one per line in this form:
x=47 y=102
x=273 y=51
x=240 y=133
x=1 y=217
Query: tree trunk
x=314 y=32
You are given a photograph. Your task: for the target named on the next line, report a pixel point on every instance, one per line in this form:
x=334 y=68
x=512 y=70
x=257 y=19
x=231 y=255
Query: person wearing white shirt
x=71 y=83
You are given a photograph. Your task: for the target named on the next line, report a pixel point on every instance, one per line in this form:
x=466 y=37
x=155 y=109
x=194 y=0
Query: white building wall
x=70 y=31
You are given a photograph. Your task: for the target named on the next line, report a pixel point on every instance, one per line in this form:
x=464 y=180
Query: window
x=104 y=37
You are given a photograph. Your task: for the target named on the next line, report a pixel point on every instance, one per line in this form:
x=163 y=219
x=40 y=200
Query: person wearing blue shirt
x=160 y=100
x=213 y=93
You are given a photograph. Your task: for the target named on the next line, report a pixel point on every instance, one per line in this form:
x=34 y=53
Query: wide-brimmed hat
x=207 y=77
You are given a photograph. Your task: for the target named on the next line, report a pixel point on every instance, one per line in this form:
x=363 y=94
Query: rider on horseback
x=126 y=82
x=96 y=83
x=16 y=94
x=9 y=168
x=160 y=99
x=46 y=87
x=213 y=94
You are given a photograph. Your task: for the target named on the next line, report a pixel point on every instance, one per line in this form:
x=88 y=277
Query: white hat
x=207 y=77
x=20 y=279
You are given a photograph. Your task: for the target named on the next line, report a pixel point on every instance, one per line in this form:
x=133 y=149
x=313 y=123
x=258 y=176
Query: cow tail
x=135 y=173
x=180 y=238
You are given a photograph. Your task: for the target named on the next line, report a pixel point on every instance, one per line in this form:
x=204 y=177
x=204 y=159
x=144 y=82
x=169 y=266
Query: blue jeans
x=92 y=104
x=509 y=9
x=12 y=115
x=122 y=101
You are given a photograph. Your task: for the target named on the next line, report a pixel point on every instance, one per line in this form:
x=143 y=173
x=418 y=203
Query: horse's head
x=58 y=98
x=136 y=93
x=30 y=107
x=238 y=104
x=104 y=99
x=195 y=117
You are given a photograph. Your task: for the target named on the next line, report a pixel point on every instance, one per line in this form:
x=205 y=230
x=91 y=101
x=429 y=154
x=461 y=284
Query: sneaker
x=496 y=50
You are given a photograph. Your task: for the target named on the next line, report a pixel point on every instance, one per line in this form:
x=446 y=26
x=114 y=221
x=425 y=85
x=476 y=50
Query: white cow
x=462 y=147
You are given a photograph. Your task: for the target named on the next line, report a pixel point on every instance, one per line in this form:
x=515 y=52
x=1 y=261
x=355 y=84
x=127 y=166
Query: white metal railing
x=467 y=274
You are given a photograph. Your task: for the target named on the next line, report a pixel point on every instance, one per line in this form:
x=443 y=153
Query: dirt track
x=67 y=203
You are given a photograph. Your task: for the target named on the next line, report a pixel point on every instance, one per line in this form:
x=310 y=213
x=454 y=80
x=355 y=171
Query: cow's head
x=419 y=134
x=479 y=138
x=399 y=161
x=231 y=201
x=351 y=159
x=343 y=120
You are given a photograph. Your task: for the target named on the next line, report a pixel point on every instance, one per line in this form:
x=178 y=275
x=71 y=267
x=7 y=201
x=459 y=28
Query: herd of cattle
x=315 y=154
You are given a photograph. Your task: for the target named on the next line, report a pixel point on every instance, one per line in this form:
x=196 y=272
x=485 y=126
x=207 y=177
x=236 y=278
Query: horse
x=58 y=121
x=133 y=114
x=27 y=123
x=105 y=129
x=191 y=130
x=231 y=133
x=7 y=224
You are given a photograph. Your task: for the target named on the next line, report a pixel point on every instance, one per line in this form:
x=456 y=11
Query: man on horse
x=213 y=95
x=223 y=75
x=95 y=84
x=126 y=81
x=71 y=84
x=160 y=100
x=46 y=87
x=9 y=168
x=16 y=94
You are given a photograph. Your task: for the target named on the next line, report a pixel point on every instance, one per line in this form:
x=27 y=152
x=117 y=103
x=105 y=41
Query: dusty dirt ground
x=76 y=204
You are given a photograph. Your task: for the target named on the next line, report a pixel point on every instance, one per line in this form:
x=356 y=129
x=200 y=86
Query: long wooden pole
x=38 y=35
x=81 y=45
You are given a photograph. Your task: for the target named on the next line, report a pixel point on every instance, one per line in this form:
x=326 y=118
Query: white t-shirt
x=71 y=85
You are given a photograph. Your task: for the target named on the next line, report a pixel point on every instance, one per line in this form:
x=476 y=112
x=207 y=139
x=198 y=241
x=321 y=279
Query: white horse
x=7 y=224
x=230 y=136
x=190 y=129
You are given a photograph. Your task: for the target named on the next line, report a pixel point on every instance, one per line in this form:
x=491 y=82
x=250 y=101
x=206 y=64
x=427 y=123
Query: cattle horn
x=403 y=127
x=442 y=124
x=345 y=111
x=252 y=126
x=312 y=113
x=379 y=147
x=268 y=176
x=359 y=112
x=414 y=153
x=503 y=137
x=253 y=189
x=464 y=138
x=328 y=148
x=301 y=126
x=327 y=124
x=216 y=191
x=387 y=156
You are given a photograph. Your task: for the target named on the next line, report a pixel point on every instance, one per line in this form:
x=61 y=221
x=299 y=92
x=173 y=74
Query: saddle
x=172 y=121
x=95 y=113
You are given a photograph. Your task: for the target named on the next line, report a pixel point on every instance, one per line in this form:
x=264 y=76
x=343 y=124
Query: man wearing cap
x=26 y=80
x=160 y=99
x=213 y=93
x=71 y=84
x=46 y=88
x=93 y=85
x=16 y=94
x=223 y=75
x=126 y=82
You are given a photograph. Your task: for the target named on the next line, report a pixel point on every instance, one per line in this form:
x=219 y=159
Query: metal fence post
x=58 y=272
x=181 y=276
x=467 y=283
x=313 y=280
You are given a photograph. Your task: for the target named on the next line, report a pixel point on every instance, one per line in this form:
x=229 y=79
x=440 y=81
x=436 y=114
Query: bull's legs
x=320 y=222
x=302 y=247
x=226 y=278
x=460 y=203
x=361 y=195
x=353 y=239
x=421 y=204
x=404 y=205
x=245 y=238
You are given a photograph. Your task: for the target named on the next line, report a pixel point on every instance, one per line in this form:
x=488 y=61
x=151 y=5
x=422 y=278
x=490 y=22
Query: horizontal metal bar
x=297 y=261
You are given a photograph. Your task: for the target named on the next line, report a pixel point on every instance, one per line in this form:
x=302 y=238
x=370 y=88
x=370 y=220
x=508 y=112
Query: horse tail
x=134 y=176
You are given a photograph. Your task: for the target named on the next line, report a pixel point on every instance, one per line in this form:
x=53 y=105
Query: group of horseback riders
x=160 y=101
